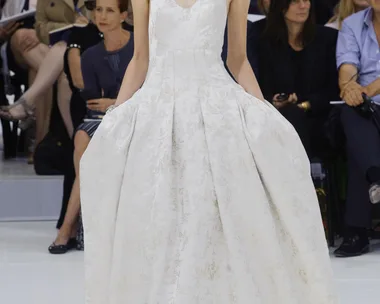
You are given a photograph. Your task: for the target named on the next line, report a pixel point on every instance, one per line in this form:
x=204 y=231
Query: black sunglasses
x=90 y=5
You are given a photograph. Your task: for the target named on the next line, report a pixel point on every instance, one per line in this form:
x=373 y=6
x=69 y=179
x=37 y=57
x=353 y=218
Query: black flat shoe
x=353 y=246
x=61 y=249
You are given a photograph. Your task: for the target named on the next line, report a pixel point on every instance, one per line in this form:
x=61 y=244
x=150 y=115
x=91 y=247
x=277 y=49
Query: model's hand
x=100 y=104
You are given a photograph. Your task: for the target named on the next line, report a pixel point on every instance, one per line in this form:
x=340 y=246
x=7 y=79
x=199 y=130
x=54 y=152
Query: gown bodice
x=199 y=27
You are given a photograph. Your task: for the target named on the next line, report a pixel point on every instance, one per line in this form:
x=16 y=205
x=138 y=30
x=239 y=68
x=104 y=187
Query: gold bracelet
x=305 y=105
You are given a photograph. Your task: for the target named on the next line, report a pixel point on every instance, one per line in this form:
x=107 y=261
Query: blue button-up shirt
x=357 y=45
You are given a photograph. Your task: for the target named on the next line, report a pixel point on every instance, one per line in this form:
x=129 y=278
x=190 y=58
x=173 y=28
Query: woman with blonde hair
x=344 y=9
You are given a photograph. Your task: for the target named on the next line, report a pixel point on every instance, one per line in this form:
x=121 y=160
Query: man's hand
x=352 y=94
x=8 y=30
x=100 y=104
x=373 y=88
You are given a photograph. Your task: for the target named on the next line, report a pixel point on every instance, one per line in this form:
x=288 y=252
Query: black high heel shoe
x=61 y=249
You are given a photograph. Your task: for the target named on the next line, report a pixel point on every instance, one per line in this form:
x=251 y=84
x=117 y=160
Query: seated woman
x=298 y=69
x=24 y=53
x=50 y=16
x=103 y=68
x=344 y=9
x=79 y=41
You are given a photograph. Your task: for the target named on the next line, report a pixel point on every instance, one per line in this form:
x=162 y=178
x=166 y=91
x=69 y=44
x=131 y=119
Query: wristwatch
x=110 y=109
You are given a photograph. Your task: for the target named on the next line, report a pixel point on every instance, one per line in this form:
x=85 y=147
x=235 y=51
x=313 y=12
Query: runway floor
x=30 y=275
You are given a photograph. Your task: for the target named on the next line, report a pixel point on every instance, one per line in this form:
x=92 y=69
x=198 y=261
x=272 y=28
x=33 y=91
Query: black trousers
x=363 y=152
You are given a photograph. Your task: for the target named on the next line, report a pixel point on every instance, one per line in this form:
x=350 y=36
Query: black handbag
x=52 y=156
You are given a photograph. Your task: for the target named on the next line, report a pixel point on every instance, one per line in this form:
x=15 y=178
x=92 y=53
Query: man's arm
x=347 y=73
x=373 y=88
x=347 y=57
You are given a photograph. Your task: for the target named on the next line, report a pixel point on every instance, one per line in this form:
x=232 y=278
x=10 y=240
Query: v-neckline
x=185 y=7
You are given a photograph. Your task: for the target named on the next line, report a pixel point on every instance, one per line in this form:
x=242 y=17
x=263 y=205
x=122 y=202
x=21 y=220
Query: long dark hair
x=276 y=28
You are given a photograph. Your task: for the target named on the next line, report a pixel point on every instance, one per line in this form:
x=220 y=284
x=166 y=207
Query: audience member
x=46 y=161
x=80 y=40
x=344 y=9
x=50 y=16
x=103 y=68
x=23 y=53
x=358 y=60
x=298 y=69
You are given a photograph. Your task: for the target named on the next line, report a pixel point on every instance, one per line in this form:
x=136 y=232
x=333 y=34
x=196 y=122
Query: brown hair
x=277 y=30
x=126 y=6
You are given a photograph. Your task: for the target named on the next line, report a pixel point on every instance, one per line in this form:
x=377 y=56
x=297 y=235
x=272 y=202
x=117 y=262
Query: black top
x=82 y=39
x=297 y=59
x=255 y=31
x=103 y=71
x=311 y=74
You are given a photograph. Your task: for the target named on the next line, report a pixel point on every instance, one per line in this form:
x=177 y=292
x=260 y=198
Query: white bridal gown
x=194 y=191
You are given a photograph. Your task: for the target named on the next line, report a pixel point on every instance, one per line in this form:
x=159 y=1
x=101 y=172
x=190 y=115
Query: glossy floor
x=29 y=275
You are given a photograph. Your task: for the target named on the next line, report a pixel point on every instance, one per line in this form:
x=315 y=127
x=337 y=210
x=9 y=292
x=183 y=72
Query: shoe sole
x=364 y=251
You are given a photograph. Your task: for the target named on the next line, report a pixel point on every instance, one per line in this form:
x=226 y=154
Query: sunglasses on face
x=90 y=5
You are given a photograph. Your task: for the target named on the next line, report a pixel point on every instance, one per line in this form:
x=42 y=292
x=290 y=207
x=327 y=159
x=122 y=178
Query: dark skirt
x=89 y=127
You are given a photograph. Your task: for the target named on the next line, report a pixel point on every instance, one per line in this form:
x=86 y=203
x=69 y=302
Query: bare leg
x=64 y=99
x=32 y=60
x=48 y=73
x=30 y=136
x=42 y=113
x=68 y=228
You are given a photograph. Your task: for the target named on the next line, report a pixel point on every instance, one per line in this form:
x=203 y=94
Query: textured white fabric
x=195 y=192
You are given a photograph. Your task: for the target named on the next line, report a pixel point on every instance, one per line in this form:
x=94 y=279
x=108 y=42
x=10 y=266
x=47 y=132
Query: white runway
x=30 y=275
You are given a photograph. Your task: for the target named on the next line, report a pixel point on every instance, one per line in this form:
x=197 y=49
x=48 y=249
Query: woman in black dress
x=79 y=41
x=298 y=69
x=103 y=67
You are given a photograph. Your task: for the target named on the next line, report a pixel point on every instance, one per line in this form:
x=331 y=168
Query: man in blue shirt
x=358 y=60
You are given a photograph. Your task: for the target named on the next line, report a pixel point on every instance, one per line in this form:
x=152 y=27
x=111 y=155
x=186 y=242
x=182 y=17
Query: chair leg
x=7 y=139
x=336 y=210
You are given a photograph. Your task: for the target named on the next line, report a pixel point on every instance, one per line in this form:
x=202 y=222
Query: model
x=195 y=190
